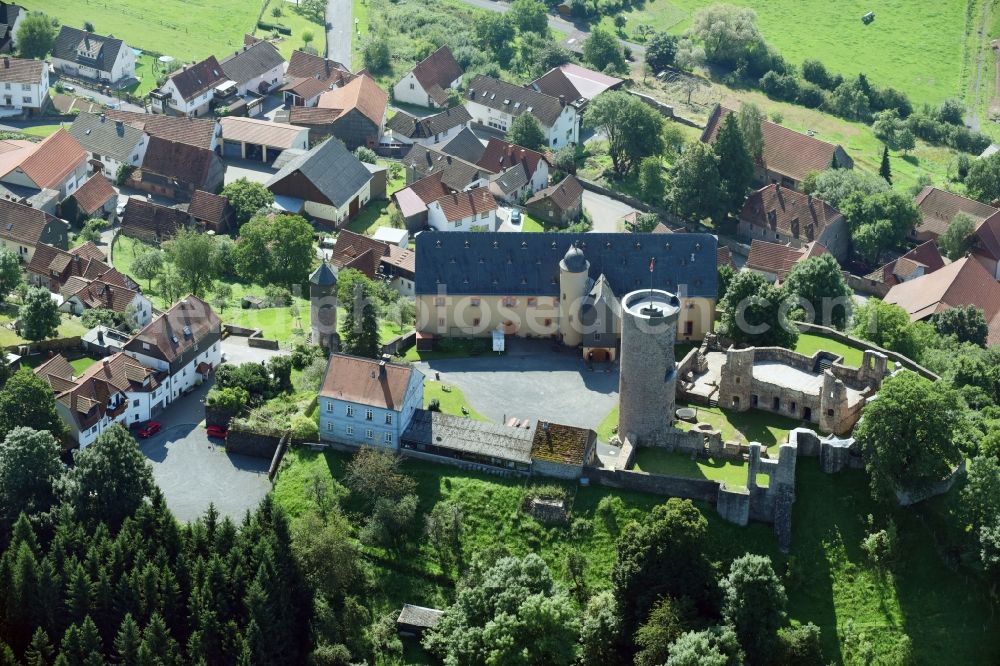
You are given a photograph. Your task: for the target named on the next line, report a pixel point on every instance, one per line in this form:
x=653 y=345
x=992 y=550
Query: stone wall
x=657 y=484
x=400 y=344
x=734 y=505
x=258 y=445
x=864 y=344
x=215 y=416
x=262 y=343
x=907 y=498
x=555 y=470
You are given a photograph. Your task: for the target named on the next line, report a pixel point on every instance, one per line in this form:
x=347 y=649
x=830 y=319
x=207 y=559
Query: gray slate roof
x=514 y=99
x=105 y=136
x=251 y=62
x=424 y=128
x=457 y=173
x=466 y=145
x=527 y=264
x=331 y=168
x=419 y=616
x=105 y=48
x=512 y=179
x=468 y=436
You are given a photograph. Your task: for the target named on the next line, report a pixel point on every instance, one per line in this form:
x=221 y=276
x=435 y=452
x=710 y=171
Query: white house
x=58 y=163
x=24 y=85
x=111 y=143
x=83 y=54
x=11 y=16
x=407 y=130
x=495 y=104
x=189 y=91
x=183 y=342
x=431 y=81
x=365 y=402
x=118 y=389
x=81 y=294
x=475 y=210
x=257 y=68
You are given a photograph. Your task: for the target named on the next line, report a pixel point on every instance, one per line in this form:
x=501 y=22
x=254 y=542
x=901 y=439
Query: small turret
x=574 y=269
x=323 y=307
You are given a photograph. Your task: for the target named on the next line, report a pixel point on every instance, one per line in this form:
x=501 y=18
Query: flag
x=652 y=264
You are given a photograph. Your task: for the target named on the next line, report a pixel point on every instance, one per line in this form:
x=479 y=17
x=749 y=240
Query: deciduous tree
x=633 y=130
x=696 y=189
x=247 y=198
x=194 y=256
x=29 y=470
x=909 y=435
x=510 y=612
x=39 y=315
x=525 y=131
x=887 y=325
x=957 y=238
x=819 y=281
x=603 y=51
x=717 y=646
x=147 y=266
x=983 y=180
x=27 y=400
x=754 y=604
x=755 y=312
x=530 y=16
x=966 y=323
x=10 y=273
x=36 y=36
x=751 y=120
x=109 y=480
x=660 y=51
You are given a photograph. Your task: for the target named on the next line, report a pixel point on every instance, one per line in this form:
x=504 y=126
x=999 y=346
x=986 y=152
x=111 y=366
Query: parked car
x=515 y=216
x=149 y=429
x=216 y=431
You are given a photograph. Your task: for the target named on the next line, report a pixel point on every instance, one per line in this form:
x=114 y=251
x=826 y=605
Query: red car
x=217 y=432
x=149 y=429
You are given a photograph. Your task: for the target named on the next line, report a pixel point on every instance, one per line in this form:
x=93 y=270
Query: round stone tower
x=648 y=379
x=323 y=307
x=574 y=269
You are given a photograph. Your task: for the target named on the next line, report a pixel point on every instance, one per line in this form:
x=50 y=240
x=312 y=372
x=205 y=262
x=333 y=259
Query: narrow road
x=340 y=29
x=977 y=86
x=577 y=32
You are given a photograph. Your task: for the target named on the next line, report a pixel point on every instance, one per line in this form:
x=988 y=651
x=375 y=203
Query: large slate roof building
x=328 y=183
x=537 y=284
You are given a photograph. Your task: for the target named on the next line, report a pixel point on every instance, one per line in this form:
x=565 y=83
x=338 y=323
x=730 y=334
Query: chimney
x=103 y=117
x=106 y=363
x=777 y=188
x=562 y=100
x=381 y=369
x=6 y=62
x=100 y=337
x=472 y=91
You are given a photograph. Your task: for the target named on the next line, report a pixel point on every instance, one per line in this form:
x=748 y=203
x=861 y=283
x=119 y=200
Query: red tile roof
x=307 y=116
x=178 y=330
x=58 y=155
x=306 y=65
x=786 y=151
x=209 y=207
x=791 y=213
x=987 y=237
x=925 y=256
x=93 y=194
x=565 y=194
x=779 y=259
x=362 y=94
x=366 y=382
x=460 y=205
x=21 y=70
x=502 y=155
x=436 y=73
x=199 y=132
x=179 y=161
x=963 y=282
x=939 y=208
x=195 y=79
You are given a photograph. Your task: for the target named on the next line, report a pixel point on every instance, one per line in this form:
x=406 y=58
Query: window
x=25 y=86
x=532 y=302
x=349 y=430
x=329 y=406
x=509 y=302
x=548 y=322
x=26 y=99
x=475 y=321
x=439 y=301
x=6 y=86
x=135 y=403
x=93 y=430
x=689 y=328
x=411 y=86
x=483 y=216
x=388 y=438
x=388 y=419
x=474 y=301
x=369 y=434
x=329 y=426
x=369 y=415
x=350 y=410
x=597 y=337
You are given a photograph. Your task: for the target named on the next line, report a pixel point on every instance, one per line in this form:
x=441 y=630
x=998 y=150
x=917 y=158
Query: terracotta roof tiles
x=365 y=381
x=94 y=194
x=57 y=156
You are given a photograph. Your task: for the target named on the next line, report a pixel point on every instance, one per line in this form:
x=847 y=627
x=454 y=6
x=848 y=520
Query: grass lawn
x=41 y=130
x=299 y=23
x=661 y=461
x=451 y=400
x=69 y=327
x=944 y=613
x=371 y=217
x=450 y=348
x=185 y=29
x=834 y=34
x=809 y=344
x=81 y=364
x=145 y=71
x=749 y=426
x=529 y=223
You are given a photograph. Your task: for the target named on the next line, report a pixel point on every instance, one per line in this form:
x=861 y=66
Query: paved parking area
x=193 y=471
x=256 y=172
x=236 y=351
x=532 y=380
x=606 y=212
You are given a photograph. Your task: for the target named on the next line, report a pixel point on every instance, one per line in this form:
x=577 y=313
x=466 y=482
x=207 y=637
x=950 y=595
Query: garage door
x=352 y=209
x=232 y=149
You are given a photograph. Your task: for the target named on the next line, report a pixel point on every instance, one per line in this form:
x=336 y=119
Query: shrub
x=784 y=87
x=277 y=296
x=303 y=354
x=304 y=429
x=434 y=405
x=232 y=399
